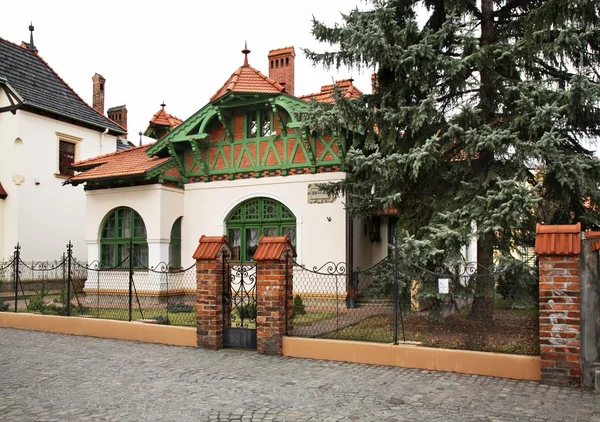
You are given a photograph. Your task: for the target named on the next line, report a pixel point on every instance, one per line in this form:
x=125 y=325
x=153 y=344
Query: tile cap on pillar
x=595 y=243
x=561 y=239
x=274 y=248
x=211 y=246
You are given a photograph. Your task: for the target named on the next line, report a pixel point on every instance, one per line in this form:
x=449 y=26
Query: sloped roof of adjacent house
x=130 y=162
x=3 y=193
x=247 y=79
x=327 y=91
x=42 y=90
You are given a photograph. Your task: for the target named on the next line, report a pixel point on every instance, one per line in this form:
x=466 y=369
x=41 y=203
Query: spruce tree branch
x=505 y=10
x=552 y=71
x=457 y=94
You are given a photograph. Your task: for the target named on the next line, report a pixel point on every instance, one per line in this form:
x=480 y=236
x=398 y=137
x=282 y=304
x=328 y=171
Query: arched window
x=175 y=245
x=121 y=226
x=254 y=218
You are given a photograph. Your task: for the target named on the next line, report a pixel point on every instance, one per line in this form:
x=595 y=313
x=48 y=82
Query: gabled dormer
x=250 y=128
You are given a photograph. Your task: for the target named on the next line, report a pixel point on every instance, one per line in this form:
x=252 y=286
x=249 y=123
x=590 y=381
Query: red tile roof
x=595 y=243
x=162 y=118
x=326 y=94
x=210 y=246
x=128 y=162
x=558 y=239
x=3 y=193
x=272 y=248
x=284 y=50
x=249 y=80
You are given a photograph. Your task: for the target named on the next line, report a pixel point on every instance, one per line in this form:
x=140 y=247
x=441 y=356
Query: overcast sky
x=177 y=51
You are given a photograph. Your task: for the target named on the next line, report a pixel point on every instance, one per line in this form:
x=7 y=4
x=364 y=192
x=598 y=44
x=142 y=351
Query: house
x=242 y=166
x=44 y=127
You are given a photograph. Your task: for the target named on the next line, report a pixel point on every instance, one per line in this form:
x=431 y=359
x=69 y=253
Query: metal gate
x=239 y=305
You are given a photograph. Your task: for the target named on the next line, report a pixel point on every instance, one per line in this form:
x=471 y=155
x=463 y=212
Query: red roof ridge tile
x=273 y=248
x=558 y=228
x=236 y=78
x=209 y=247
x=111 y=154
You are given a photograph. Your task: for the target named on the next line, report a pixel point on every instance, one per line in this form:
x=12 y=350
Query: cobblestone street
x=52 y=377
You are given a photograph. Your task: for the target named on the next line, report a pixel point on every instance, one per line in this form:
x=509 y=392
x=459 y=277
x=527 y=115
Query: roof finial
x=163 y=105
x=31 y=46
x=245 y=51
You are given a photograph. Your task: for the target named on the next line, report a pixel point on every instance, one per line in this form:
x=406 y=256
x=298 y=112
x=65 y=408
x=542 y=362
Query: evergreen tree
x=479 y=124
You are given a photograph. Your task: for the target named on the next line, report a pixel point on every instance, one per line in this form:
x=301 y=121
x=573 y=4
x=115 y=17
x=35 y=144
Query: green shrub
x=3 y=307
x=36 y=303
x=179 y=307
x=248 y=311
x=299 y=308
x=163 y=320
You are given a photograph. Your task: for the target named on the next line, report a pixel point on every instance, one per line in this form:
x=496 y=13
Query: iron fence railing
x=127 y=291
x=451 y=306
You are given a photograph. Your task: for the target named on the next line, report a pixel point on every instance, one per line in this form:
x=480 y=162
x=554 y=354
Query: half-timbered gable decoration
x=250 y=128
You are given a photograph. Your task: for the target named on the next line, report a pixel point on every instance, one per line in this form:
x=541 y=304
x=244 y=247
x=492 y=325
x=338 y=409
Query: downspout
x=102 y=140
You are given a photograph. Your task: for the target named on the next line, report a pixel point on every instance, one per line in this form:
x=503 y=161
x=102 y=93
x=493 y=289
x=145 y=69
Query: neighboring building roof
x=247 y=79
x=162 y=118
x=130 y=162
x=116 y=108
x=326 y=94
x=43 y=90
x=3 y=193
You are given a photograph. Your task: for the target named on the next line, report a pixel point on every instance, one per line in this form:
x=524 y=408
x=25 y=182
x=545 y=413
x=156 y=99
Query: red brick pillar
x=558 y=248
x=274 y=287
x=210 y=279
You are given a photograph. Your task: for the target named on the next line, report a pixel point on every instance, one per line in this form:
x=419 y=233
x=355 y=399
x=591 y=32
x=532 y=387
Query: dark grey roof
x=43 y=90
x=116 y=108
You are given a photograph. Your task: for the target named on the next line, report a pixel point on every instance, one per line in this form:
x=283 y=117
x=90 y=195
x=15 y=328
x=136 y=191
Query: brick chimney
x=98 y=98
x=119 y=115
x=281 y=67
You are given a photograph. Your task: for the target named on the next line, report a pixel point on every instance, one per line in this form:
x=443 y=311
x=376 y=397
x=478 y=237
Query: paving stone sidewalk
x=52 y=377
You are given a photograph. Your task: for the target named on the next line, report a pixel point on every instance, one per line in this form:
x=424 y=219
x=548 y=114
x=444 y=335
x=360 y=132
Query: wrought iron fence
x=458 y=305
x=128 y=291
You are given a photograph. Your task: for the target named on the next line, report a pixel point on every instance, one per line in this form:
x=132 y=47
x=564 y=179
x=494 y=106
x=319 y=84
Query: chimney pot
x=281 y=67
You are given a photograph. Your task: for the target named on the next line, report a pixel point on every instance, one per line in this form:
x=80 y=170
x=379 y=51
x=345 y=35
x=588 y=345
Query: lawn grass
x=312 y=317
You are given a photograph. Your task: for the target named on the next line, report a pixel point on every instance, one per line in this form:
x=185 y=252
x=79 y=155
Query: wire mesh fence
x=458 y=305
x=127 y=291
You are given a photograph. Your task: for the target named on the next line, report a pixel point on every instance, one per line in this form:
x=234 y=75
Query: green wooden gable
x=241 y=135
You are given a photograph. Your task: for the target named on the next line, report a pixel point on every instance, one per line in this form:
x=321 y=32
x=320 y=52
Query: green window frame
x=175 y=245
x=254 y=218
x=259 y=123
x=121 y=226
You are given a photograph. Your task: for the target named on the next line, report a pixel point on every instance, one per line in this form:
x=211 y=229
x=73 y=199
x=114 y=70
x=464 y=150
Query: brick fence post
x=559 y=248
x=210 y=278
x=274 y=287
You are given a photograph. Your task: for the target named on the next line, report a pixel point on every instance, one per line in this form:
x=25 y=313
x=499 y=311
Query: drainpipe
x=102 y=140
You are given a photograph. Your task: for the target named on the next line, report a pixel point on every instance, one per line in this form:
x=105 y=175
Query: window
x=254 y=218
x=122 y=226
x=66 y=157
x=175 y=245
x=258 y=123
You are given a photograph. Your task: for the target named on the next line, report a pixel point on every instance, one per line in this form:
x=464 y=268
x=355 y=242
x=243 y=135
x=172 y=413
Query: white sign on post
x=444 y=286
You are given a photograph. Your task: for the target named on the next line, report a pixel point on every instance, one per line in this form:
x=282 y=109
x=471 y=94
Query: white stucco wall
x=40 y=213
x=158 y=205
x=318 y=239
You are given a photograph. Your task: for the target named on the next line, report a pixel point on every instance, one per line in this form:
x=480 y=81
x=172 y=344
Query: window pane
x=139 y=227
x=292 y=232
x=108 y=256
x=123 y=255
x=252 y=211
x=265 y=127
x=66 y=157
x=235 y=241
x=286 y=213
x=270 y=231
x=269 y=209
x=140 y=252
x=176 y=230
x=251 y=242
x=175 y=255
x=252 y=125
x=109 y=227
